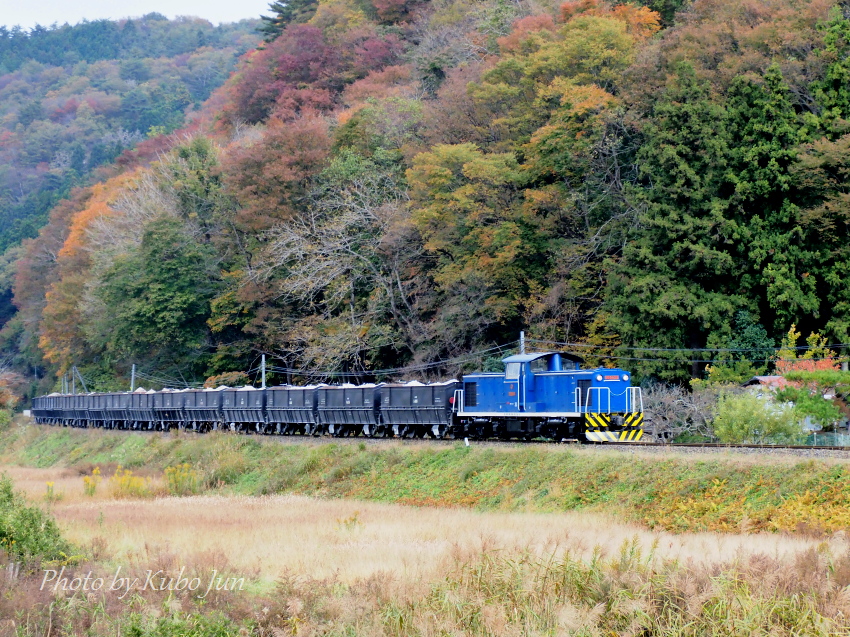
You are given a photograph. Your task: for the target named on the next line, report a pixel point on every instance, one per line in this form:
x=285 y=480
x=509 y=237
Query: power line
x=397 y=370
x=167 y=381
x=683 y=349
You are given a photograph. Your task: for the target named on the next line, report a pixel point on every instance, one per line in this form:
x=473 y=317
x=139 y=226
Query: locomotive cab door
x=515 y=385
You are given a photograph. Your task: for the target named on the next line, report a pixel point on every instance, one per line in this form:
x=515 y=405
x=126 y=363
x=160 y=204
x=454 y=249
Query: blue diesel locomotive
x=547 y=394
x=541 y=395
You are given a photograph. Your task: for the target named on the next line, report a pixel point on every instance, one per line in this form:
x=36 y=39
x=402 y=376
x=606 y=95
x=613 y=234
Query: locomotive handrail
x=635 y=398
x=600 y=392
x=457 y=407
x=588 y=406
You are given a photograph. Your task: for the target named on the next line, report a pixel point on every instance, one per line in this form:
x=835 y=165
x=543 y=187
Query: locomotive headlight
x=599 y=377
x=625 y=377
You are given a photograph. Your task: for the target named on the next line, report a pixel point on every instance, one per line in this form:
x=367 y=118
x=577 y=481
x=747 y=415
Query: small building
x=765 y=386
x=769 y=382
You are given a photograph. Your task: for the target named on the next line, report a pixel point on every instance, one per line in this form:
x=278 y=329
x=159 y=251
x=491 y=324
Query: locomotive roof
x=525 y=358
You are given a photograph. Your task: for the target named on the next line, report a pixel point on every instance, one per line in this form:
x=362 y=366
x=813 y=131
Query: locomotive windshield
x=512 y=371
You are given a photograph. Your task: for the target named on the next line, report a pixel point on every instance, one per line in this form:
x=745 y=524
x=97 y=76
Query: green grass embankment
x=677 y=493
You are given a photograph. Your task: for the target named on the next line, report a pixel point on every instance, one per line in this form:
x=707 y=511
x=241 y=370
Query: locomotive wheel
x=483 y=431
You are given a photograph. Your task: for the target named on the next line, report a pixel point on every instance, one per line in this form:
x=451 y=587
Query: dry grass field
x=268 y=536
x=340 y=567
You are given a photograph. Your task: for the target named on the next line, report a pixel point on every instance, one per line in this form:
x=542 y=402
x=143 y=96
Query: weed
x=195 y=625
x=51 y=496
x=182 y=479
x=351 y=522
x=123 y=484
x=90 y=483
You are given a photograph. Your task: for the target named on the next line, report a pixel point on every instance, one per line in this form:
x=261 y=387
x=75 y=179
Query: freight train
x=539 y=395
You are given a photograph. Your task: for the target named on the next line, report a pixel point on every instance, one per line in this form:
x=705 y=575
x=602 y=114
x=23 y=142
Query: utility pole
x=522 y=342
x=82 y=380
x=74 y=379
x=263 y=366
x=133 y=379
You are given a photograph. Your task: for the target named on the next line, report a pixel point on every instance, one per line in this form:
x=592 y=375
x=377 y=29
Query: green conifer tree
x=677 y=280
x=284 y=13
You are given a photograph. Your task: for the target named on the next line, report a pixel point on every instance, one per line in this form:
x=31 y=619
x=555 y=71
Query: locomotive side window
x=539 y=365
x=470 y=394
x=512 y=371
x=584 y=386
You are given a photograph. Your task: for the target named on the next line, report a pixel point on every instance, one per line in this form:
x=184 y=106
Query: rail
x=496 y=443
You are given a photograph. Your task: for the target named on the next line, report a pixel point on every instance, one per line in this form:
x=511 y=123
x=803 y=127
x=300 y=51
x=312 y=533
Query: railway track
x=663 y=447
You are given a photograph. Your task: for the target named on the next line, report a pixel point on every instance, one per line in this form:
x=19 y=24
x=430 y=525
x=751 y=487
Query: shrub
x=27 y=532
x=675 y=412
x=746 y=418
x=212 y=625
x=229 y=379
x=813 y=405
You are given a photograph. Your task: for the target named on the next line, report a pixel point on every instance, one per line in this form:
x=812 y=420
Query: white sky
x=45 y=12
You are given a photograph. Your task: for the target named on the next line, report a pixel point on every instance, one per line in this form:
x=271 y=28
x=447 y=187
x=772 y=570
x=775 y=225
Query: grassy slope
x=674 y=493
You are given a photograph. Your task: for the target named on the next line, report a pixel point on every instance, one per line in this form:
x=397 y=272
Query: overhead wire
x=682 y=349
x=396 y=370
x=608 y=353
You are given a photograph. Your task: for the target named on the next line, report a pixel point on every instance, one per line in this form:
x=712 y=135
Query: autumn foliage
x=399 y=182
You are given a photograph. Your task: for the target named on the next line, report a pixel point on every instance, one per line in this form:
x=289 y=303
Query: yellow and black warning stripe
x=630 y=435
x=601 y=436
x=598 y=428
x=596 y=421
x=633 y=420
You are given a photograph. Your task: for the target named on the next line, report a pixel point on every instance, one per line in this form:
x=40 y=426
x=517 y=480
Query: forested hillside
x=391 y=182
x=73 y=98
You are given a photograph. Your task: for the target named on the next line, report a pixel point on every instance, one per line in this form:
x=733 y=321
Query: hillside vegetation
x=676 y=493
x=386 y=182
x=73 y=98
x=76 y=99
